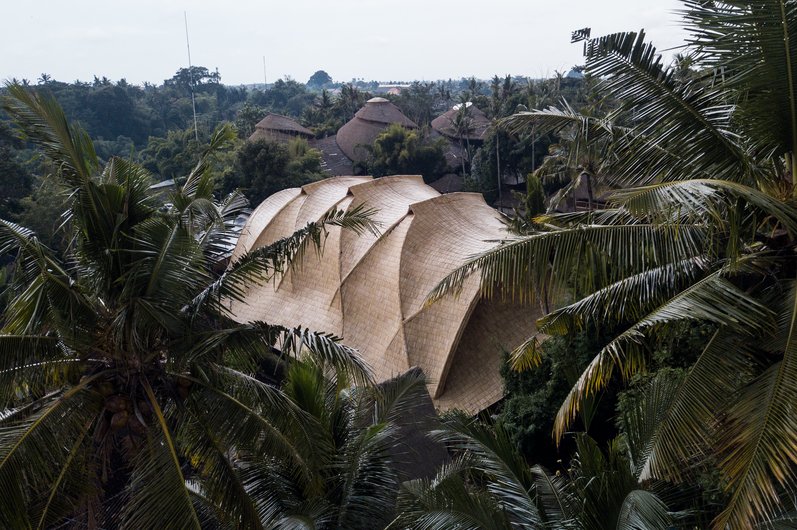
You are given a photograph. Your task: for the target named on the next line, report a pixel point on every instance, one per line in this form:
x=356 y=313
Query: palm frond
x=670 y=423
x=712 y=299
x=199 y=183
x=247 y=414
x=327 y=349
x=643 y=510
x=447 y=502
x=264 y=264
x=753 y=47
x=554 y=120
x=519 y=268
x=759 y=439
x=159 y=493
x=528 y=355
x=707 y=199
x=492 y=452
x=219 y=479
x=630 y=299
x=43 y=122
x=687 y=120
x=36 y=448
x=397 y=398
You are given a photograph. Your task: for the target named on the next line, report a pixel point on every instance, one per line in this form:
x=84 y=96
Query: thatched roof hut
x=280 y=128
x=446 y=123
x=369 y=122
x=371 y=289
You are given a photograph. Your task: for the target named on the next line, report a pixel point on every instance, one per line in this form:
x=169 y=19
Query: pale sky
x=144 y=40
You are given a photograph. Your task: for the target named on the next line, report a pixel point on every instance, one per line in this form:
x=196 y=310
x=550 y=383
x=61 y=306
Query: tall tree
x=705 y=231
x=126 y=388
x=490 y=486
x=319 y=79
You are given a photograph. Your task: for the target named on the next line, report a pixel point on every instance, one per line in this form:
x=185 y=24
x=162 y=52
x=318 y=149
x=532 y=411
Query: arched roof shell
x=370 y=289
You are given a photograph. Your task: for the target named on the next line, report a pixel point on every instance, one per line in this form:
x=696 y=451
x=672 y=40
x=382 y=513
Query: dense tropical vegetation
x=129 y=396
x=659 y=392
x=701 y=229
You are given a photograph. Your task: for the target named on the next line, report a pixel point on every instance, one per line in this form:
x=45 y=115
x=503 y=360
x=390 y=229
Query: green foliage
x=286 y=97
x=15 y=177
x=352 y=451
x=41 y=212
x=247 y=118
x=319 y=79
x=325 y=115
x=709 y=160
x=420 y=102
x=532 y=204
x=398 y=151
x=267 y=167
x=533 y=396
x=127 y=390
x=490 y=486
x=172 y=156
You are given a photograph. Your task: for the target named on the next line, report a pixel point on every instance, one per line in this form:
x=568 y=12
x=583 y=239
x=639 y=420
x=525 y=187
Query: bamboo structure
x=371 y=290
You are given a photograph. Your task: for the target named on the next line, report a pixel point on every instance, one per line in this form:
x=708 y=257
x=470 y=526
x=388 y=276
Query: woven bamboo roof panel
x=371 y=289
x=445 y=124
x=369 y=122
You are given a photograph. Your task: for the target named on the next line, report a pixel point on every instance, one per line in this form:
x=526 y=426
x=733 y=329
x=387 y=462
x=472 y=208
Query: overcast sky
x=144 y=40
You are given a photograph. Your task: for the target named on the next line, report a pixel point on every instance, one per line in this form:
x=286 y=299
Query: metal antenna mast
x=265 y=80
x=191 y=75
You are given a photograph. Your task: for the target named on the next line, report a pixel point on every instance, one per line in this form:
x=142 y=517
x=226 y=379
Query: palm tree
x=463 y=128
x=352 y=478
x=490 y=486
x=582 y=155
x=704 y=230
x=125 y=388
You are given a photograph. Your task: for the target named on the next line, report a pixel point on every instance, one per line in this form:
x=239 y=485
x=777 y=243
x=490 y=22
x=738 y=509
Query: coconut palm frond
x=519 y=268
x=554 y=120
x=708 y=199
x=670 y=423
x=38 y=447
x=447 y=502
x=492 y=452
x=632 y=297
x=399 y=397
x=264 y=264
x=712 y=299
x=221 y=483
x=758 y=440
x=644 y=510
x=43 y=122
x=752 y=48
x=166 y=500
x=327 y=349
x=681 y=117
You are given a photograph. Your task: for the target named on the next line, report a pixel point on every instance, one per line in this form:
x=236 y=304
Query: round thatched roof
x=445 y=123
x=370 y=289
x=280 y=124
x=369 y=122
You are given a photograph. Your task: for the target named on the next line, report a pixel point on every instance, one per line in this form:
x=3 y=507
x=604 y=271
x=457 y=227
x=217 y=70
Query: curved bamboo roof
x=369 y=122
x=371 y=289
x=445 y=123
x=275 y=123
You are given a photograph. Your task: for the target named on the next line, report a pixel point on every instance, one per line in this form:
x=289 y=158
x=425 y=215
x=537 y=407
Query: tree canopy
x=702 y=230
x=126 y=389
